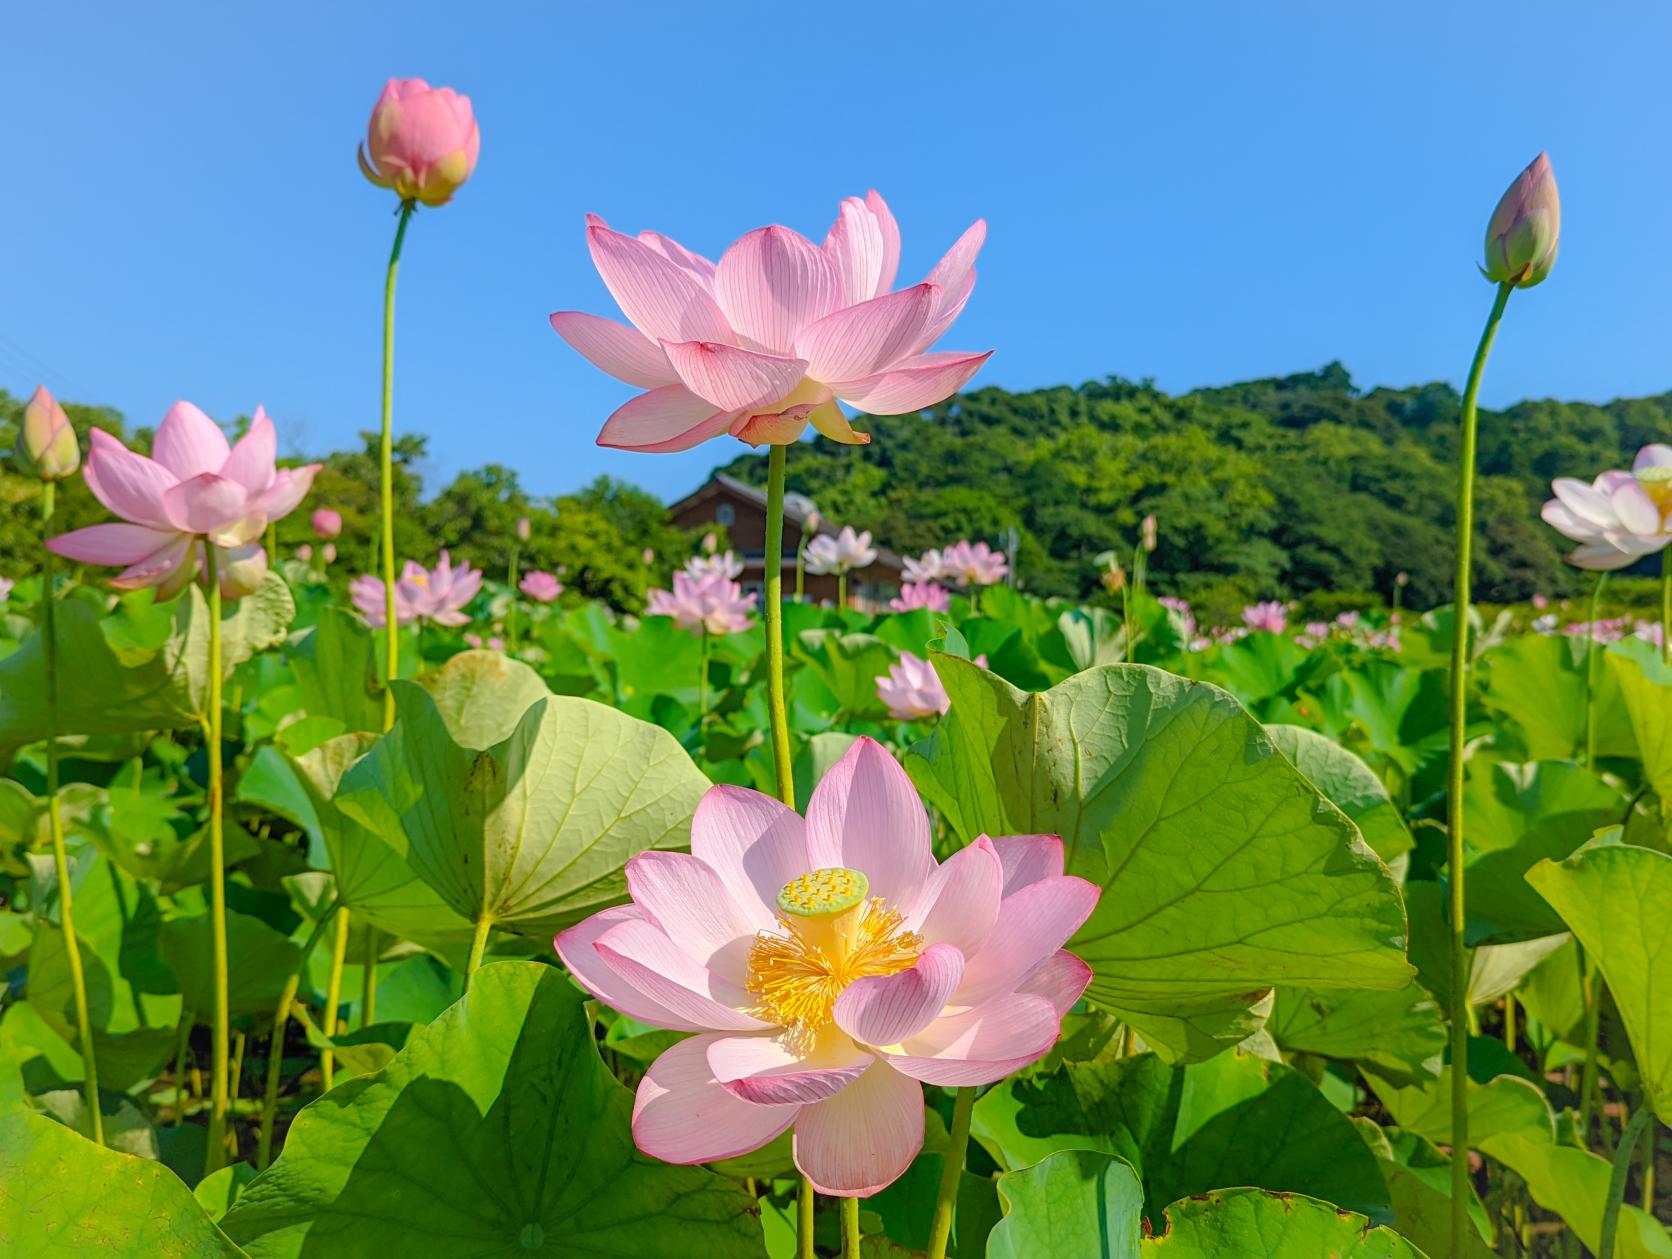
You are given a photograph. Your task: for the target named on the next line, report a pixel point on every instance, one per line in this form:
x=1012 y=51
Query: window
x=725 y=514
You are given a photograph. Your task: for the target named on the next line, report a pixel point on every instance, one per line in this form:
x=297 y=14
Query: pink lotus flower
x=541 y=587
x=1270 y=616
x=46 y=442
x=920 y=594
x=194 y=490
x=771 y=337
x=1621 y=516
x=422 y=141
x=831 y=967
x=421 y=594
x=974 y=564
x=925 y=568
x=1525 y=228
x=727 y=566
x=709 y=604
x=327 y=524
x=842 y=554
x=492 y=643
x=304 y=552
x=911 y=690
x=6 y=584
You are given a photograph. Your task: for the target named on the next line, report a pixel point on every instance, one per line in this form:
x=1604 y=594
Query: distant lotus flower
x=1180 y=614
x=1541 y=601
x=1402 y=579
x=974 y=564
x=842 y=554
x=920 y=594
x=304 y=553
x=193 y=488
x=525 y=529
x=421 y=594
x=366 y=593
x=6 y=585
x=422 y=141
x=911 y=690
x=328 y=553
x=710 y=542
x=1522 y=236
x=46 y=443
x=1271 y=617
x=710 y=604
x=1621 y=516
x=1148 y=531
x=726 y=565
x=540 y=587
x=770 y=338
x=926 y=567
x=327 y=523
x=492 y=643
x=648 y=556
x=831 y=967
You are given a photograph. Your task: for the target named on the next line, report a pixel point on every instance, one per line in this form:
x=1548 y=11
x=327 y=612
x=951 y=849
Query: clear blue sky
x=1200 y=193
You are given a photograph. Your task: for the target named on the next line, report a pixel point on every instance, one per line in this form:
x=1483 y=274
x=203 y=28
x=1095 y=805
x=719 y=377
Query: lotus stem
x=850 y=1228
x=1509 y=1021
x=774 y=601
x=804 y=1220
x=1590 y=671
x=478 y=946
x=333 y=997
x=1617 y=1177
x=1666 y=605
x=1460 y=1224
x=801 y=569
x=511 y=616
x=220 y=1031
x=275 y=1053
x=1589 y=991
x=946 y=1202
x=1649 y=1134
x=368 y=982
x=386 y=462
x=841 y=592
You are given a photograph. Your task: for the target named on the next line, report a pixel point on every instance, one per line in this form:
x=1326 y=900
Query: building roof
x=797 y=509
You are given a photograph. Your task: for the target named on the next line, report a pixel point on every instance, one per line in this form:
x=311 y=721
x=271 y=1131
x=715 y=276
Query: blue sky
x=1200 y=193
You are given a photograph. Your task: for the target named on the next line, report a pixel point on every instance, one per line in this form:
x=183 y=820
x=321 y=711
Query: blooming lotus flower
x=421 y=594
x=422 y=141
x=925 y=568
x=46 y=443
x=193 y=489
x=540 y=587
x=974 y=564
x=727 y=566
x=366 y=593
x=842 y=554
x=920 y=594
x=771 y=337
x=911 y=690
x=831 y=966
x=1621 y=516
x=708 y=604
x=1183 y=620
x=1270 y=616
x=1525 y=229
x=327 y=524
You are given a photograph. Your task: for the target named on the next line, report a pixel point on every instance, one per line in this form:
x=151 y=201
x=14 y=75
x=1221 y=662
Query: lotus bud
x=1402 y=579
x=710 y=543
x=305 y=552
x=525 y=529
x=1148 y=532
x=649 y=556
x=328 y=553
x=242 y=570
x=46 y=443
x=1522 y=237
x=814 y=521
x=327 y=524
x=422 y=142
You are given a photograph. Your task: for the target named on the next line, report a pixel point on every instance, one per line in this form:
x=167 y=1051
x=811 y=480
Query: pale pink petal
x=669 y=418
x=661 y=299
x=682 y=1114
x=623 y=352
x=1032 y=925
x=188 y=443
x=765 y=1070
x=130 y=485
x=854 y=246
x=289 y=487
x=1600 y=557
x=112 y=544
x=730 y=378
x=890 y=240
x=682 y=257
x=1061 y=981
x=911 y=384
x=771 y=284
x=576 y=947
x=861 y=340
x=211 y=505
x=1558 y=517
x=1654 y=455
x=1028 y=859
x=644 y=956
x=980 y=1045
x=864 y=1138
x=1612 y=480
x=954 y=275
x=961 y=903
x=885 y=1009
x=754 y=843
x=251 y=461
x=1585 y=501
x=1635 y=509
x=865 y=815
x=689 y=901
x=167 y=569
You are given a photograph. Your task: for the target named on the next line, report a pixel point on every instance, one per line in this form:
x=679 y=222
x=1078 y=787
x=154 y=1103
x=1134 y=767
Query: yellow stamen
x=1657 y=484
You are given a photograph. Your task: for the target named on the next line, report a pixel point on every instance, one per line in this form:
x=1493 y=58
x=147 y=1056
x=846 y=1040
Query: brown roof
x=796 y=509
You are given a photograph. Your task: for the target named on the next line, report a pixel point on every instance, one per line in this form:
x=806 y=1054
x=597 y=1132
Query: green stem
x=478 y=946
x=511 y=616
x=55 y=821
x=1590 y=671
x=1509 y=1021
x=801 y=569
x=1590 y=992
x=850 y=1228
x=386 y=466
x=1617 y=1178
x=368 y=982
x=946 y=1202
x=275 y=1052
x=1460 y=1224
x=187 y=1018
x=702 y=680
x=333 y=998
x=804 y=1220
x=774 y=600
x=975 y=600
x=841 y=591
x=220 y=1029
x=1648 y=1200
x=1666 y=605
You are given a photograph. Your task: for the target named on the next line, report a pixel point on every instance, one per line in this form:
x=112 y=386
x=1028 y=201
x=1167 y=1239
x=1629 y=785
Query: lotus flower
x=6 y=584
x=920 y=594
x=842 y=554
x=437 y=594
x=1271 y=616
x=727 y=566
x=327 y=524
x=709 y=604
x=525 y=529
x=926 y=567
x=1525 y=228
x=194 y=491
x=492 y=643
x=911 y=690
x=46 y=443
x=830 y=967
x=772 y=336
x=541 y=587
x=422 y=141
x=1621 y=516
x=974 y=564
x=366 y=593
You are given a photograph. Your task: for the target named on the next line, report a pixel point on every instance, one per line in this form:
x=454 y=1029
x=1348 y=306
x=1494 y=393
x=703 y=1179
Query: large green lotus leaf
x=1618 y=902
x=1494 y=969
x=1574 y=1184
x=1224 y=871
x=336 y=668
x=1250 y=1224
x=849 y=665
x=497 y=1130
x=1075 y=1204
x=1399 y=711
x=481 y=695
x=1397 y=1034
x=62 y=1197
x=1092 y=637
x=1350 y=784
x=1504 y=1105
x=533 y=831
x=1539 y=682
x=145 y=667
x=373 y=879
x=1233 y=1120
x=1418 y=1176
x=1514 y=816
x=654 y=658
x=261 y=961
x=1645 y=682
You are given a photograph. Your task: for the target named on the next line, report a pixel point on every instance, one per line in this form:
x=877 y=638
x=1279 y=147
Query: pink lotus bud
x=1148 y=531
x=422 y=141
x=1521 y=239
x=710 y=543
x=46 y=444
x=326 y=523
x=649 y=556
x=525 y=529
x=328 y=552
x=304 y=552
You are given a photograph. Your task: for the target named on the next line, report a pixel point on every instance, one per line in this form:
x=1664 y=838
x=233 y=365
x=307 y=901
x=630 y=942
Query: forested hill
x=1279 y=486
